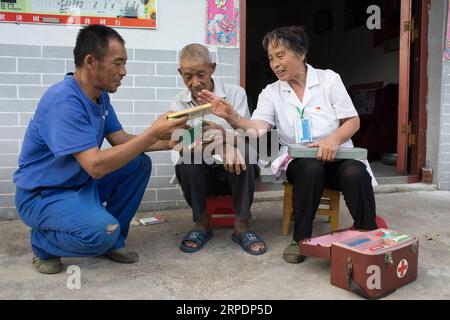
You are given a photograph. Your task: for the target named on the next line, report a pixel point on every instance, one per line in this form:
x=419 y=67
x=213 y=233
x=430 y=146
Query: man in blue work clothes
x=77 y=199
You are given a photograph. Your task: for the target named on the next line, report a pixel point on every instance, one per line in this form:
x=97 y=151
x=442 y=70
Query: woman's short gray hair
x=294 y=38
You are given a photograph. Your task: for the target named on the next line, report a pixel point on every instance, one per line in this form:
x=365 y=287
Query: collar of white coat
x=219 y=91
x=312 y=79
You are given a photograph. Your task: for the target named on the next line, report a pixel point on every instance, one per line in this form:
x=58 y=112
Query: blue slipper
x=200 y=237
x=246 y=239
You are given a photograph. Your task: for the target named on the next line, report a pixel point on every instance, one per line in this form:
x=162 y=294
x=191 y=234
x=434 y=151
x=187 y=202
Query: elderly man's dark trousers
x=198 y=181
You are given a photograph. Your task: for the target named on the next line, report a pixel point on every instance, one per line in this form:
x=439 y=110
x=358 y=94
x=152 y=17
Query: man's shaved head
x=195 y=52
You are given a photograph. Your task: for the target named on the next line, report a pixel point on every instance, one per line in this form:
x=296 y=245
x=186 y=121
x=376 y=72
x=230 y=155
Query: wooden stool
x=329 y=197
x=221 y=211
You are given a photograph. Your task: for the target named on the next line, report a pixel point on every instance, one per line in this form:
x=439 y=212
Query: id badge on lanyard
x=303 y=132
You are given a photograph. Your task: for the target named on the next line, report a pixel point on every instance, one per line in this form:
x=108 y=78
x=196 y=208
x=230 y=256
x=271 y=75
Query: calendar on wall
x=113 y=13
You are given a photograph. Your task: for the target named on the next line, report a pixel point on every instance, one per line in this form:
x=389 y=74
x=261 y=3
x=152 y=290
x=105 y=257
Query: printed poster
x=113 y=13
x=222 y=23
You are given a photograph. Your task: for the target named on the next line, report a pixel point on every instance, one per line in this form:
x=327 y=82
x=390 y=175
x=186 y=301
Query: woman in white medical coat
x=311 y=107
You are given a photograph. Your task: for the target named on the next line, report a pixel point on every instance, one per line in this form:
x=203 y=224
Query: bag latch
x=349 y=266
x=388 y=259
x=414 y=247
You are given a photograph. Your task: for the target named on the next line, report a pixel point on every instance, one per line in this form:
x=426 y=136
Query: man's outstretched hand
x=163 y=128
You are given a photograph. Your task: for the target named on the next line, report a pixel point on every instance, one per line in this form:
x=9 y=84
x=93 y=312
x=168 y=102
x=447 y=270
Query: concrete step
x=392 y=180
x=278 y=195
x=396 y=188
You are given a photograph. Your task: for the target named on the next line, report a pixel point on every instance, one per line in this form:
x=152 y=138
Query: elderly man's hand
x=213 y=132
x=233 y=161
x=328 y=149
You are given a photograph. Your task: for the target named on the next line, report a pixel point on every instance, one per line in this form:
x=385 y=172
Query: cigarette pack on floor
x=152 y=220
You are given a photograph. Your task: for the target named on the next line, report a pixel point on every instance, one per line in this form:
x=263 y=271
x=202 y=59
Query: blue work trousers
x=75 y=222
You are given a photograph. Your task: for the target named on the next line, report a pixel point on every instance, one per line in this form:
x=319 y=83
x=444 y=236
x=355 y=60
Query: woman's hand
x=328 y=149
x=219 y=107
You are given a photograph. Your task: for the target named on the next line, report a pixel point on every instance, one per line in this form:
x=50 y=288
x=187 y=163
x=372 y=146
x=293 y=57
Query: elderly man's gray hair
x=195 y=51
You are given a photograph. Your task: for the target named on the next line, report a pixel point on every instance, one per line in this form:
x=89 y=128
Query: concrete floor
x=222 y=270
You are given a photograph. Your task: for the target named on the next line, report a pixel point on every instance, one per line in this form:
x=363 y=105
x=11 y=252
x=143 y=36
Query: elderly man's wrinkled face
x=285 y=63
x=196 y=74
x=108 y=72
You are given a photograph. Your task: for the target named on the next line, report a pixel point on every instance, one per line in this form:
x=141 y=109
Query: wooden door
x=419 y=89
x=404 y=86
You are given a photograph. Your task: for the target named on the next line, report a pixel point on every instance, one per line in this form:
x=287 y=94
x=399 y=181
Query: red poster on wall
x=114 y=13
x=222 y=23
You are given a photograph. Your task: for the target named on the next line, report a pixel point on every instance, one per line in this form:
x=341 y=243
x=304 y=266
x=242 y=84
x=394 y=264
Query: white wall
x=179 y=22
x=436 y=77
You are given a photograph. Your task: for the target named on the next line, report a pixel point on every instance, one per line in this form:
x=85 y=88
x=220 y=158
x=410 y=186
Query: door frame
x=243 y=42
x=404 y=90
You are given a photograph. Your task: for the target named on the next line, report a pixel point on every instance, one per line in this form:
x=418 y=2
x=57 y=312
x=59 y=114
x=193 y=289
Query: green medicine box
x=195 y=133
x=299 y=151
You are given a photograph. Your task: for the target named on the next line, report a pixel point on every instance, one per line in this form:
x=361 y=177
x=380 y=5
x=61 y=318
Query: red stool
x=221 y=211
